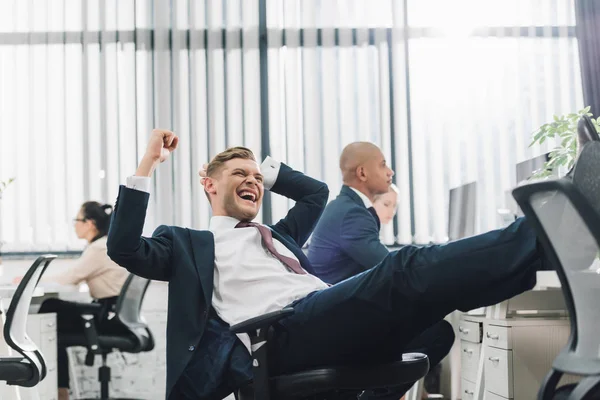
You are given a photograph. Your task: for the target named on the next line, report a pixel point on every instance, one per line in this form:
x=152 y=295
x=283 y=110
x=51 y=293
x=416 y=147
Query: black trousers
x=436 y=341
x=68 y=321
x=377 y=315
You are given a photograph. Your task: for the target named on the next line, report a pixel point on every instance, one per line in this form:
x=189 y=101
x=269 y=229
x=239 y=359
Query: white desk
x=516 y=340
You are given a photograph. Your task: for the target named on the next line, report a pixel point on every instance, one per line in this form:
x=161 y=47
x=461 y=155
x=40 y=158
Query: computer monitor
x=526 y=168
x=462 y=211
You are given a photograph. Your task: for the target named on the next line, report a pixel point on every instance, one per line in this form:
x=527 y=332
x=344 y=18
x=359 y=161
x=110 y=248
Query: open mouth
x=248 y=196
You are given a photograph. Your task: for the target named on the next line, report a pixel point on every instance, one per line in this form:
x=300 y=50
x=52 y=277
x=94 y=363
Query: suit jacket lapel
x=203 y=249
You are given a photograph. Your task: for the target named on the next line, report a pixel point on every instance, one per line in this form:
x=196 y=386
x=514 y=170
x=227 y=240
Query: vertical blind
x=450 y=96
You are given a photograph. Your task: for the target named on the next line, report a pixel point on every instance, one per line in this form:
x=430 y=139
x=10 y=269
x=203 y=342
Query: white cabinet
x=470 y=335
x=515 y=354
x=41 y=329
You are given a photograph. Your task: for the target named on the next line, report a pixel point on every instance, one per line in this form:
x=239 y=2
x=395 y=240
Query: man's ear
x=361 y=173
x=209 y=185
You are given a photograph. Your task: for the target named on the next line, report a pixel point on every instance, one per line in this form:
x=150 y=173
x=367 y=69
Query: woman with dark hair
x=102 y=275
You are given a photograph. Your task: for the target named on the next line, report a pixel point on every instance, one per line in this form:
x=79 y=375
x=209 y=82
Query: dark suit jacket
x=185 y=258
x=346 y=239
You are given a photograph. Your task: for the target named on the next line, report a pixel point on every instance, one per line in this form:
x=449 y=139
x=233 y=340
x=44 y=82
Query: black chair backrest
x=15 y=327
x=568 y=227
x=128 y=310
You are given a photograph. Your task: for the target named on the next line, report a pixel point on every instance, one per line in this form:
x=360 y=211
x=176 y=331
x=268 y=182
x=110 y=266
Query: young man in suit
x=234 y=271
x=346 y=241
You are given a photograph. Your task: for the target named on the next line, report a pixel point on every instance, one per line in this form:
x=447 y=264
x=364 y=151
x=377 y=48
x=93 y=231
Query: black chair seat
x=413 y=367
x=127 y=343
x=15 y=369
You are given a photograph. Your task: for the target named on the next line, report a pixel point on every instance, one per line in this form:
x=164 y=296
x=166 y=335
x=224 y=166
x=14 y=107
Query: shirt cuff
x=270 y=171
x=141 y=183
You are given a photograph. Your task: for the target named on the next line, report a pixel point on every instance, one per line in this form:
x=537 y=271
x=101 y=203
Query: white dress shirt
x=363 y=197
x=248 y=280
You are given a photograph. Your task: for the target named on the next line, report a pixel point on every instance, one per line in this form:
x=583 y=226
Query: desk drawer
x=47 y=322
x=467 y=390
x=469 y=359
x=498 y=336
x=499 y=371
x=49 y=349
x=469 y=331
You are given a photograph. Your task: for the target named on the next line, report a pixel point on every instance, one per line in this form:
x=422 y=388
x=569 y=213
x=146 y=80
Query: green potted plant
x=563 y=128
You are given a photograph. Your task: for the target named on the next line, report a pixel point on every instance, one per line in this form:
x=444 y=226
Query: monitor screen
x=462 y=211
x=526 y=168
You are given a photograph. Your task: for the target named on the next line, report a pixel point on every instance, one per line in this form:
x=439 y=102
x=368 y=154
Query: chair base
x=110 y=398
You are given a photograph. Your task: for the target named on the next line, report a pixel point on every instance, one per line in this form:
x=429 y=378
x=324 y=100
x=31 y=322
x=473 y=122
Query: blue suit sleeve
x=311 y=198
x=147 y=257
x=359 y=238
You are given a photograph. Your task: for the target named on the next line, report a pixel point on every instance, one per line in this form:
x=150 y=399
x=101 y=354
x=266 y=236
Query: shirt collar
x=220 y=222
x=362 y=196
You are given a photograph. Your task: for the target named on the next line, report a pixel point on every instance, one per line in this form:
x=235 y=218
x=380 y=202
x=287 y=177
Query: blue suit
x=346 y=239
x=200 y=347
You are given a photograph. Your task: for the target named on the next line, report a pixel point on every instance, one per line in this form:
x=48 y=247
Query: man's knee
x=51 y=304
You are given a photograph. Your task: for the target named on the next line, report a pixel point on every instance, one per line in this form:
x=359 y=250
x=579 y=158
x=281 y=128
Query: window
x=450 y=98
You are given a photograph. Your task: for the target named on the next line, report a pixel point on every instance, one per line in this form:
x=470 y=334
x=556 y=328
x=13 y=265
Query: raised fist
x=161 y=144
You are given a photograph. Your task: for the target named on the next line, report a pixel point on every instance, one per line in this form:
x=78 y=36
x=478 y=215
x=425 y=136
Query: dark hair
x=98 y=213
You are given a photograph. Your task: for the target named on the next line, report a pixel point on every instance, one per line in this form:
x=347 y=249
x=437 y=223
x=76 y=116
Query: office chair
x=324 y=383
x=136 y=336
x=29 y=369
x=566 y=218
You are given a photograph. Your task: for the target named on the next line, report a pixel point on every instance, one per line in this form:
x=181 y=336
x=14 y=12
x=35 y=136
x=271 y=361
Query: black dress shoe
x=586 y=132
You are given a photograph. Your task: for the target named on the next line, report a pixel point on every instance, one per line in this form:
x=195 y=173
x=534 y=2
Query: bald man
x=346 y=241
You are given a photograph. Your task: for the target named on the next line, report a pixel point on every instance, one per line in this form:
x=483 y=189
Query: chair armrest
x=262 y=321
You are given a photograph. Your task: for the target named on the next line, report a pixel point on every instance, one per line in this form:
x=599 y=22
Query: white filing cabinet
x=470 y=335
x=515 y=354
x=41 y=328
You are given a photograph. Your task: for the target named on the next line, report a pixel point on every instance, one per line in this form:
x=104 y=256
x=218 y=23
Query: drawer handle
x=469 y=392
x=51 y=369
x=463 y=330
x=51 y=339
x=468 y=351
x=492 y=336
x=50 y=324
x=494 y=359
